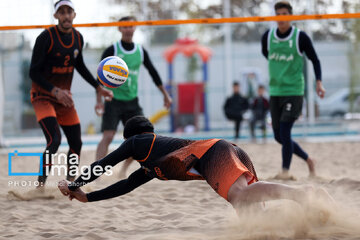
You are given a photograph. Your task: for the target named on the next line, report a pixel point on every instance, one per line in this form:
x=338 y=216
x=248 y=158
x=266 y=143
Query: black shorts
x=285 y=109
x=117 y=110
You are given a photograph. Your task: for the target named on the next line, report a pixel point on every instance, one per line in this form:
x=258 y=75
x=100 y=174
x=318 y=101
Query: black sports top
x=55 y=55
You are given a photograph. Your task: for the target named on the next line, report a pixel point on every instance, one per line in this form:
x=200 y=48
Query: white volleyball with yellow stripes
x=112 y=72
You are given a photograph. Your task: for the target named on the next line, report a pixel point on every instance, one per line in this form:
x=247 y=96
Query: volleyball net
x=234 y=46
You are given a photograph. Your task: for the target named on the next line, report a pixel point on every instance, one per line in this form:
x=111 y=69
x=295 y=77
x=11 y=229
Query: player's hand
x=107 y=94
x=63 y=96
x=79 y=195
x=99 y=108
x=320 y=90
x=63 y=187
x=167 y=101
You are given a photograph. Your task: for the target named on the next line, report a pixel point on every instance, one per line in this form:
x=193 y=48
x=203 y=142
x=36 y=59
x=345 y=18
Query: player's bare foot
x=284 y=175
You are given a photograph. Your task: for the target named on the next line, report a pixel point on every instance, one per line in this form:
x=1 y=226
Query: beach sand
x=190 y=210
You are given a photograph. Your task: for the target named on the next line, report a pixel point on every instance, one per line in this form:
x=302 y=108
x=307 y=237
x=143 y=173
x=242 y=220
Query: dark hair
x=283 y=4
x=261 y=86
x=137 y=125
x=127 y=18
x=236 y=83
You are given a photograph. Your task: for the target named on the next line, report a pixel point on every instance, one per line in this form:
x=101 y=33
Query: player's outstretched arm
x=122 y=187
x=77 y=194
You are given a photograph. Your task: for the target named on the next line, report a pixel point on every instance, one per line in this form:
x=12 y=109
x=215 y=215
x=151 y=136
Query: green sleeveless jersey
x=133 y=58
x=286 y=64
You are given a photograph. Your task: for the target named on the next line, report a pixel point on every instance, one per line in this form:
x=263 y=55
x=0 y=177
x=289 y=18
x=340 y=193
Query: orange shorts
x=65 y=116
x=216 y=161
x=222 y=165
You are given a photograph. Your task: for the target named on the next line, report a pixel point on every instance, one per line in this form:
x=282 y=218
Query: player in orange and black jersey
x=225 y=167
x=57 y=52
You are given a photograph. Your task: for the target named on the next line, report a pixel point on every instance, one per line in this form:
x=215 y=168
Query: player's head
x=236 y=87
x=127 y=32
x=283 y=8
x=65 y=14
x=137 y=125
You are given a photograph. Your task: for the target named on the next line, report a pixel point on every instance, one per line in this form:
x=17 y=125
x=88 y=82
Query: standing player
x=284 y=47
x=57 y=51
x=125 y=103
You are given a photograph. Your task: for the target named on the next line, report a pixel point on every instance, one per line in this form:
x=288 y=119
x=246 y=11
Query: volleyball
x=112 y=72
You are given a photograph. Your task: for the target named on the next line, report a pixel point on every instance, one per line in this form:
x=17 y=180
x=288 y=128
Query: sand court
x=190 y=210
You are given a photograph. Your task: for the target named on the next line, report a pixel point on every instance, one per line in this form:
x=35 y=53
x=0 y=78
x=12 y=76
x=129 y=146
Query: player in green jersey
x=284 y=47
x=125 y=103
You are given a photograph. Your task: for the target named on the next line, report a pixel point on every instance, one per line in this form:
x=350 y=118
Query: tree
x=332 y=29
x=158 y=9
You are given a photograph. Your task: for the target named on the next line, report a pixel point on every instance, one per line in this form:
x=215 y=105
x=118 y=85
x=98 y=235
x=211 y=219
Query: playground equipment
x=191 y=97
x=158 y=115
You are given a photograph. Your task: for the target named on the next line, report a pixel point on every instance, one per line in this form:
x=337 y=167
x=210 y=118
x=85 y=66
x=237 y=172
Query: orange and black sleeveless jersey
x=55 y=56
x=164 y=158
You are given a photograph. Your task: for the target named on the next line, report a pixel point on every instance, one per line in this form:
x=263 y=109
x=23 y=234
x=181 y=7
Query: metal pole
x=228 y=56
x=310 y=79
x=146 y=84
x=172 y=95
x=206 y=112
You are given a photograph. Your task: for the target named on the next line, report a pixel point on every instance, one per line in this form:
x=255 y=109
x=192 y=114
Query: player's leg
x=103 y=146
x=73 y=136
x=275 y=112
x=275 y=117
x=110 y=121
x=46 y=117
x=244 y=192
x=70 y=123
x=131 y=109
x=241 y=193
x=287 y=144
x=51 y=130
x=291 y=110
